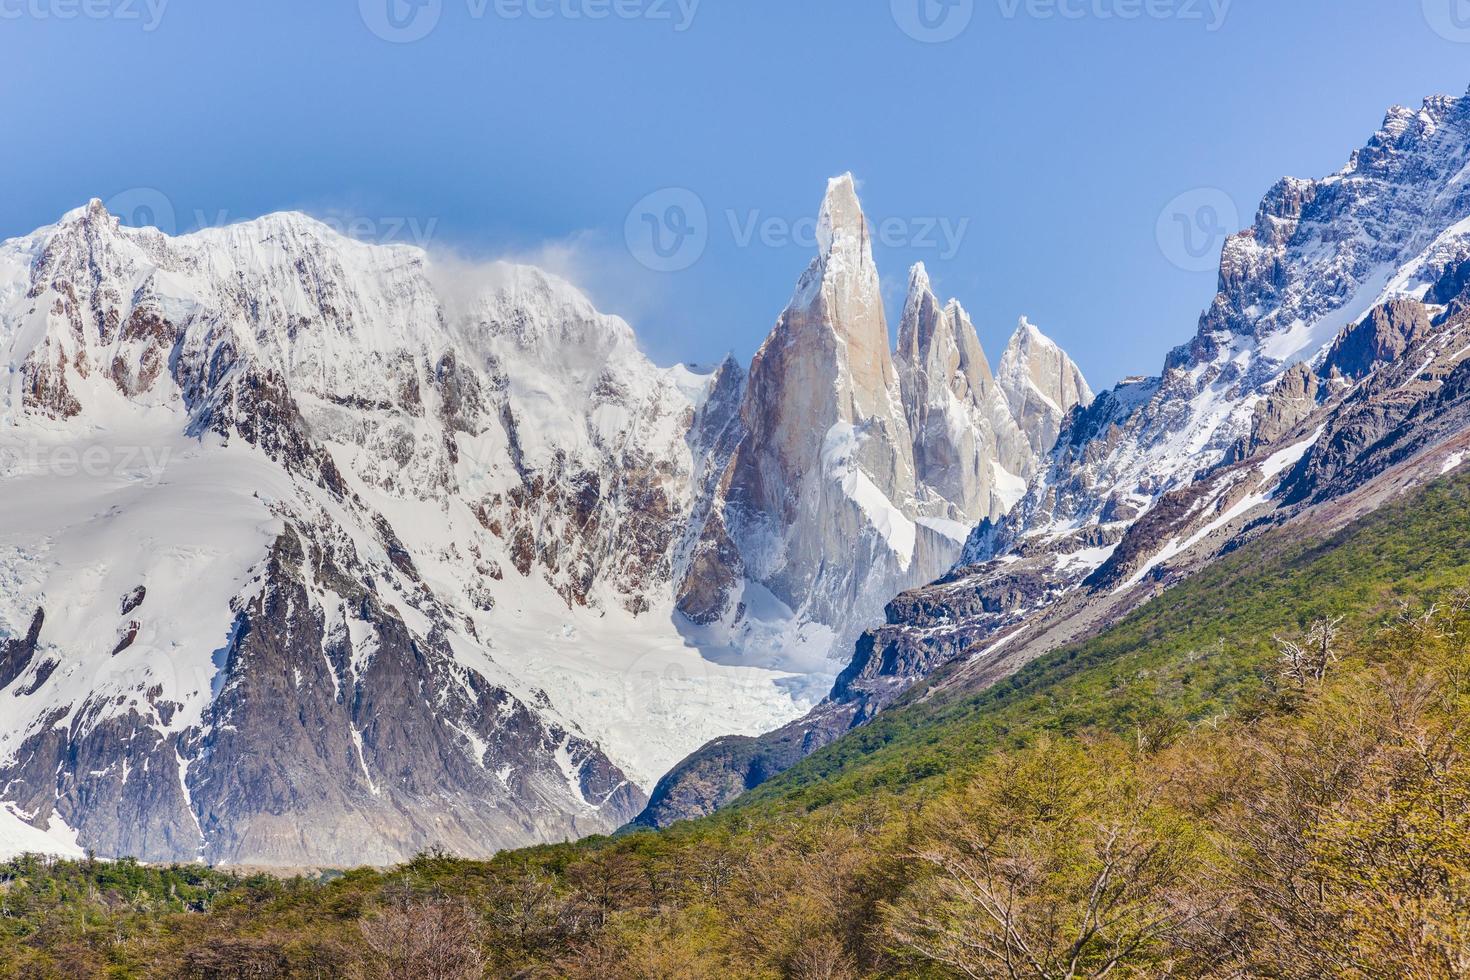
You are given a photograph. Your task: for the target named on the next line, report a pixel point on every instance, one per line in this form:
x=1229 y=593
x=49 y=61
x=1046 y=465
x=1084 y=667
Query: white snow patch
x=19 y=836
x=1008 y=486
x=951 y=530
x=896 y=529
x=1271 y=467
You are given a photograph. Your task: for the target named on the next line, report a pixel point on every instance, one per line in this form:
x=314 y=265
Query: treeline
x=1322 y=829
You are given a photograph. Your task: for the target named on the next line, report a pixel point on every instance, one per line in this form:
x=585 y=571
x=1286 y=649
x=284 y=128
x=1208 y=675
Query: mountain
x=323 y=553
x=1166 y=727
x=1324 y=379
x=1041 y=384
x=302 y=533
x=855 y=473
x=970 y=454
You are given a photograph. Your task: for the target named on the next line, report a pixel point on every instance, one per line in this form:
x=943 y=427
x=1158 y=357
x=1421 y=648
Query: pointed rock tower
x=824 y=378
x=971 y=458
x=1042 y=385
x=820 y=499
x=857 y=474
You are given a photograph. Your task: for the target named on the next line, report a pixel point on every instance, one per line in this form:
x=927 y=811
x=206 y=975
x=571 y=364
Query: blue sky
x=1030 y=160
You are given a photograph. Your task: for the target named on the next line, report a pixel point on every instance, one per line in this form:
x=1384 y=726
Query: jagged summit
x=1360 y=274
x=838 y=307
x=919 y=281
x=1041 y=384
x=842 y=227
x=826 y=456
x=300 y=223
x=858 y=468
x=1028 y=334
x=970 y=456
x=93 y=209
x=418 y=516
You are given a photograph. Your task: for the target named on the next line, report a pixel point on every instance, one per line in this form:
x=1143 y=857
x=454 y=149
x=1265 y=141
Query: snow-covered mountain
x=971 y=457
x=1331 y=372
x=1042 y=386
x=1320 y=255
x=855 y=474
x=302 y=535
x=318 y=552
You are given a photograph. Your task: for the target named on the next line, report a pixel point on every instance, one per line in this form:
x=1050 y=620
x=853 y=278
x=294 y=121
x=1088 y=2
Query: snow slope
x=487 y=481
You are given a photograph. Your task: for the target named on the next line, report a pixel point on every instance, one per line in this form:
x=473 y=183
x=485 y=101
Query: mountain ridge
x=1230 y=437
x=370 y=477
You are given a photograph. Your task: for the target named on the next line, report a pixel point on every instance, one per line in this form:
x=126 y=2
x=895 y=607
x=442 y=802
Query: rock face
x=971 y=458
x=1387 y=332
x=856 y=472
x=1041 y=384
x=826 y=464
x=1327 y=375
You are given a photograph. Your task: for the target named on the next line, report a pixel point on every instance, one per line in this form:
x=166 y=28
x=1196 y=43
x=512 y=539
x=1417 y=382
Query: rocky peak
x=970 y=456
x=840 y=295
x=1382 y=336
x=842 y=227
x=1315 y=244
x=826 y=364
x=820 y=500
x=1041 y=384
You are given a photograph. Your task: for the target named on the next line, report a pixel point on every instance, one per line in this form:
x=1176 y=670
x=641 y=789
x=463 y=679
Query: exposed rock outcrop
x=971 y=458
x=857 y=472
x=1042 y=385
